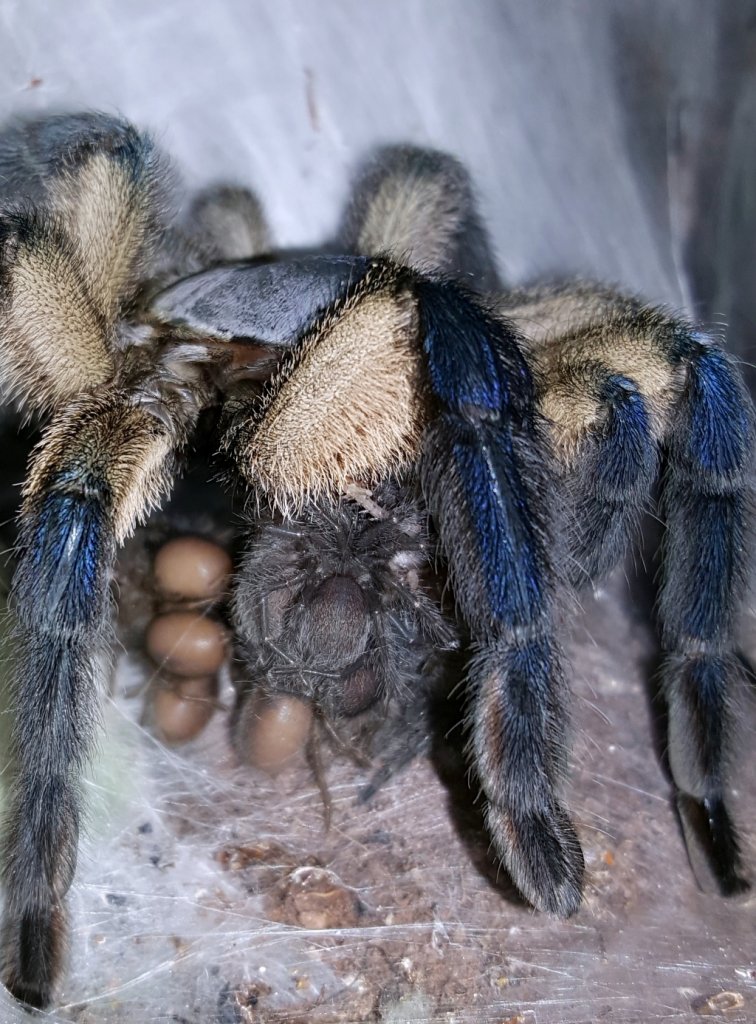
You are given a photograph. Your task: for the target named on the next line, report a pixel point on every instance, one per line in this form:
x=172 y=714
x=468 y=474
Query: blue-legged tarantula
x=363 y=395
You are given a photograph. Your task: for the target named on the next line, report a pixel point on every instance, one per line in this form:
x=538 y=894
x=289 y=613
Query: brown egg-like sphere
x=182 y=708
x=274 y=730
x=191 y=569
x=186 y=644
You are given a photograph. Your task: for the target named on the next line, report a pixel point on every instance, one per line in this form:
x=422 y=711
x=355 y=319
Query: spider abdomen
x=334 y=623
x=338 y=611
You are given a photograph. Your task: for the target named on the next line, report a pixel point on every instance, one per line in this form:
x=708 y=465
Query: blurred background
x=607 y=138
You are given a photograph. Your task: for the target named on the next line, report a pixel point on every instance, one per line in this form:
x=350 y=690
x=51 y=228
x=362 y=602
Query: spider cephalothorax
x=387 y=420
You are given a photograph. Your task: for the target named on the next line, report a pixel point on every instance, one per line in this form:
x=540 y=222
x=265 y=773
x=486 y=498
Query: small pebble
x=718 y=1003
x=316 y=898
x=191 y=569
x=186 y=644
x=182 y=708
x=275 y=730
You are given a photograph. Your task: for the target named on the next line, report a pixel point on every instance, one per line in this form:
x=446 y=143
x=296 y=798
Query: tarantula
x=364 y=396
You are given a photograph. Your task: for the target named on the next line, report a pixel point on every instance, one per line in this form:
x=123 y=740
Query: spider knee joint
x=58 y=581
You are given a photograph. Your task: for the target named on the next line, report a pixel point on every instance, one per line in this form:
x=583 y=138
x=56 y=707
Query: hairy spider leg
x=610 y=476
x=622 y=387
x=704 y=504
x=418 y=206
x=102 y=464
x=67 y=268
x=70 y=263
x=485 y=473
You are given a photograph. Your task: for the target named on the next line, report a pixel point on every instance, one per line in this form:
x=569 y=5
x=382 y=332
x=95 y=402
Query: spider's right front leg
x=103 y=462
x=488 y=477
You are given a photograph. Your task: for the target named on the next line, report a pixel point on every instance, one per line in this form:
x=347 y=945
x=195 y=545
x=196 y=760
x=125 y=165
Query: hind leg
x=669 y=390
x=704 y=506
x=227 y=222
x=603 y=430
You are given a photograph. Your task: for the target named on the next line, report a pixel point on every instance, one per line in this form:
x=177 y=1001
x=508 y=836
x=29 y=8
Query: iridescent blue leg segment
x=486 y=474
x=704 y=504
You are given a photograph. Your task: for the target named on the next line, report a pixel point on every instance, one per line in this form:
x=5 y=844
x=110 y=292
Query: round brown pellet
x=277 y=729
x=186 y=644
x=182 y=708
x=191 y=569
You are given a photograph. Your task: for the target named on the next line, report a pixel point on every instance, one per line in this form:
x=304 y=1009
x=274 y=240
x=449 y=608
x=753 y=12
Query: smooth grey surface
x=272 y=303
x=611 y=138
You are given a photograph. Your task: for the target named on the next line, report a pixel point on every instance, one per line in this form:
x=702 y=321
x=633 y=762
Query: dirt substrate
x=208 y=893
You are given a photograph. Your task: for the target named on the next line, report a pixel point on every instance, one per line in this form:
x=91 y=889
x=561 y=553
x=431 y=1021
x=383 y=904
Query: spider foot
x=542 y=853
x=712 y=844
x=32 y=953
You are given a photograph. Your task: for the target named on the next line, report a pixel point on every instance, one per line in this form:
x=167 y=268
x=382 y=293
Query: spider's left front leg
x=488 y=480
